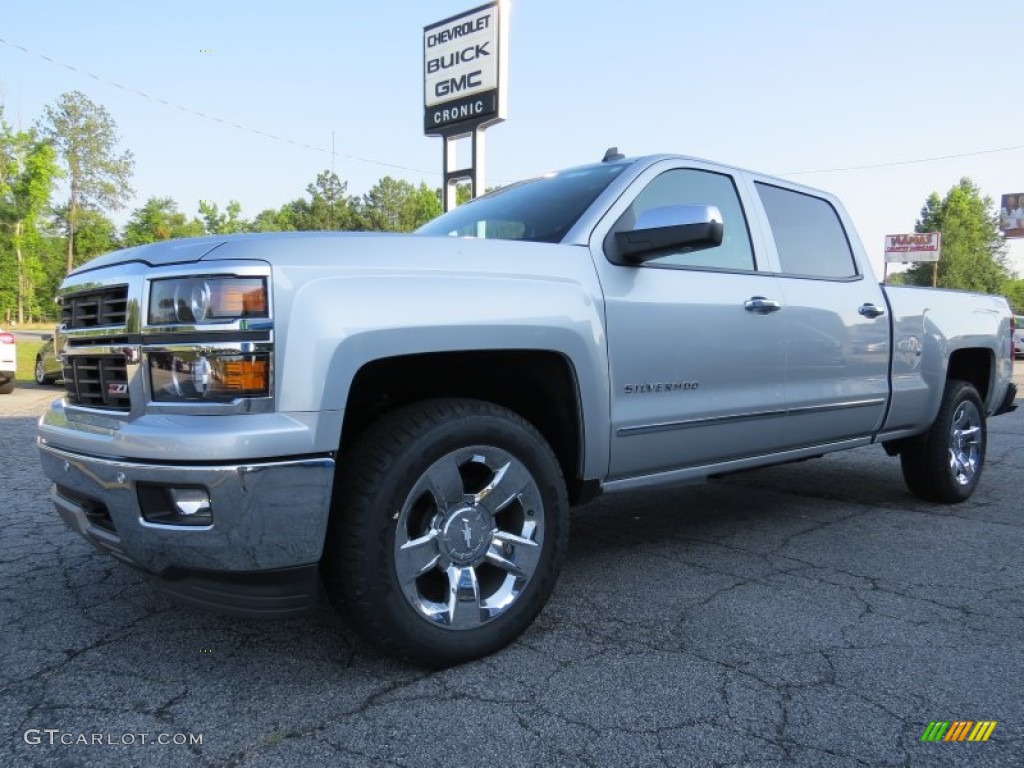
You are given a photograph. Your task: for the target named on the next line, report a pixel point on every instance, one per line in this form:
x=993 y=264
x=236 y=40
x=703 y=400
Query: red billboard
x=1011 y=215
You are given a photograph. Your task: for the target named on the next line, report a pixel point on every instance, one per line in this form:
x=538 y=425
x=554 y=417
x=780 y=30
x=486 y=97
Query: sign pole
x=464 y=74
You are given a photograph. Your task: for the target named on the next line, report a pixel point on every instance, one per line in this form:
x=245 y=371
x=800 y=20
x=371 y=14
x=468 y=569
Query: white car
x=1018 y=336
x=8 y=362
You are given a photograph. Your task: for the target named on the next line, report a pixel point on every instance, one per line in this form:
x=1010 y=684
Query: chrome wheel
x=469 y=536
x=965 y=443
x=945 y=463
x=40 y=371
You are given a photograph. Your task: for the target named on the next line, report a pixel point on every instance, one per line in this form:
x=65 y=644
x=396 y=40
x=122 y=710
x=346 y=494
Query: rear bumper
x=258 y=557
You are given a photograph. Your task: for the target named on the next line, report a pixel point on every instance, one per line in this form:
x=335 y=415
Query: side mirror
x=674 y=227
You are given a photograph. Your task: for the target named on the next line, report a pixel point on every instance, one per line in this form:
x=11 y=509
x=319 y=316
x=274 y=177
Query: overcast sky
x=793 y=88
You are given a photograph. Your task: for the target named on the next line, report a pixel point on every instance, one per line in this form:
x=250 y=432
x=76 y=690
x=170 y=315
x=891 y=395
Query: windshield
x=542 y=210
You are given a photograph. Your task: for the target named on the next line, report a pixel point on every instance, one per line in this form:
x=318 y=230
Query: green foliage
x=270 y=220
x=395 y=205
x=228 y=223
x=973 y=253
x=28 y=168
x=96 y=235
x=329 y=208
x=159 y=219
x=1013 y=290
x=85 y=136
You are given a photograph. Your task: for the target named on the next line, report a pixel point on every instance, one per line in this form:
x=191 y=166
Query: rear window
x=809 y=236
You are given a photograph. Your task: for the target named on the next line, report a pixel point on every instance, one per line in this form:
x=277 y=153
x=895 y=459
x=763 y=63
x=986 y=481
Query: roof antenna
x=612 y=153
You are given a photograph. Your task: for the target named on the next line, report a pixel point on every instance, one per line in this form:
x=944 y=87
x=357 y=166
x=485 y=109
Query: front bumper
x=259 y=555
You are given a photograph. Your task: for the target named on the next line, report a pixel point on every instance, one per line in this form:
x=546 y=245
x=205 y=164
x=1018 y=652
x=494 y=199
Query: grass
x=27 y=351
x=41 y=325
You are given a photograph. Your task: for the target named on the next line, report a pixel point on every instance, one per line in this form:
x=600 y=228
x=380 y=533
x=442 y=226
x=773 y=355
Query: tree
x=28 y=167
x=95 y=234
x=270 y=220
x=395 y=205
x=227 y=223
x=423 y=205
x=329 y=207
x=86 y=139
x=159 y=219
x=1013 y=290
x=973 y=253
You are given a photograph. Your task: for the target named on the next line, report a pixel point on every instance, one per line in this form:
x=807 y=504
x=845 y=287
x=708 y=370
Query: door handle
x=871 y=310
x=761 y=305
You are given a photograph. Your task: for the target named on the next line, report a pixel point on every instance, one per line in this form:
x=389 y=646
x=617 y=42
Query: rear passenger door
x=837 y=331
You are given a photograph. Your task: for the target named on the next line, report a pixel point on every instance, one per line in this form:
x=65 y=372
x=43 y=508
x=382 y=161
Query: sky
x=877 y=88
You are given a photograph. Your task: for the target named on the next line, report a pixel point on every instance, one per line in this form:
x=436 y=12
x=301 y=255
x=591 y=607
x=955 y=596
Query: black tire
x=7 y=388
x=386 y=504
x=945 y=463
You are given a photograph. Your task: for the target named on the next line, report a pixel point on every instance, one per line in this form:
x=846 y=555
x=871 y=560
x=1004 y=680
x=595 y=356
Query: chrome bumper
x=267 y=515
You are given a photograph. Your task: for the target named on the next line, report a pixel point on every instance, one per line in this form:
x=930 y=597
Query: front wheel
x=945 y=463
x=449 y=527
x=40 y=371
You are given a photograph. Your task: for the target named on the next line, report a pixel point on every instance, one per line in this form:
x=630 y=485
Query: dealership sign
x=464 y=64
x=916 y=246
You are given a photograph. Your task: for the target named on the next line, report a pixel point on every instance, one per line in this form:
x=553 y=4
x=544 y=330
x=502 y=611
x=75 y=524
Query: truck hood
x=355 y=250
x=183 y=251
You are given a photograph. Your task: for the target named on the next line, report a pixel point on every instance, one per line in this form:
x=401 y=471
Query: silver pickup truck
x=406 y=419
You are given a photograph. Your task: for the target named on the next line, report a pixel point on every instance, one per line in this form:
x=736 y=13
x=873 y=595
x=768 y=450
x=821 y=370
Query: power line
x=905 y=162
x=214 y=118
x=371 y=161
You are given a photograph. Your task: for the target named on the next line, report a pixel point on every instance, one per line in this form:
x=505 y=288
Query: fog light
x=175 y=506
x=193 y=503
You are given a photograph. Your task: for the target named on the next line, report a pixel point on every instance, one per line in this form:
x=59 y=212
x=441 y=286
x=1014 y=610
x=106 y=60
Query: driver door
x=696 y=343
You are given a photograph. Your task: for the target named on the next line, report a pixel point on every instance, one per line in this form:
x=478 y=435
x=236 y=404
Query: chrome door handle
x=871 y=310
x=761 y=305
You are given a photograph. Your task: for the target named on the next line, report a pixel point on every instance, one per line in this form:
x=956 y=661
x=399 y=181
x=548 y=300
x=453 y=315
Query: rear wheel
x=40 y=371
x=7 y=388
x=945 y=463
x=449 y=528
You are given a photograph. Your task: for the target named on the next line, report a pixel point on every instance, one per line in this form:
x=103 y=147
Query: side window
x=808 y=235
x=692 y=187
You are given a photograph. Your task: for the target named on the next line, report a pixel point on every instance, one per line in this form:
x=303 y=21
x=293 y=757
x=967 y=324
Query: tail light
x=6 y=338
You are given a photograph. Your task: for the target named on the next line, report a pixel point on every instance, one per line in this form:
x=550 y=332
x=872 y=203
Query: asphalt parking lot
x=808 y=615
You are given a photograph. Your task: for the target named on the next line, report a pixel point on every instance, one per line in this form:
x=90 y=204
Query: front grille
x=97 y=382
x=91 y=309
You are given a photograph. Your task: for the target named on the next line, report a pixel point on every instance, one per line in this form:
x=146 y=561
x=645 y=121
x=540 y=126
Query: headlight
x=201 y=374
x=199 y=300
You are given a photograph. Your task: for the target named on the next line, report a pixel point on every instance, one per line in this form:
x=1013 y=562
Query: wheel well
x=540 y=386
x=973 y=366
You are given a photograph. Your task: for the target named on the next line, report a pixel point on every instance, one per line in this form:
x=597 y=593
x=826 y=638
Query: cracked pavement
x=814 y=614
